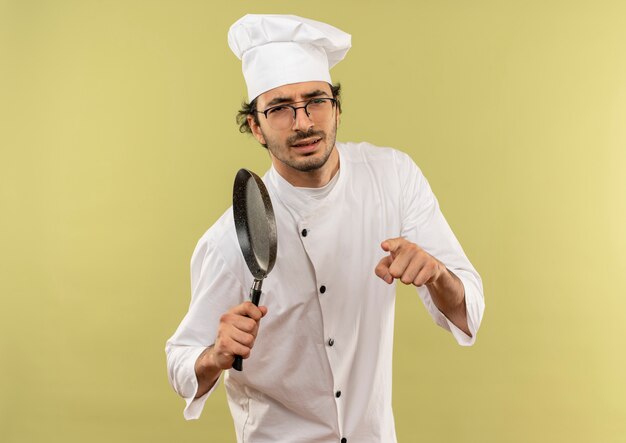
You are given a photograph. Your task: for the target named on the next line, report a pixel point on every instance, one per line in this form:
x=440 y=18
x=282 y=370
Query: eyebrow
x=308 y=95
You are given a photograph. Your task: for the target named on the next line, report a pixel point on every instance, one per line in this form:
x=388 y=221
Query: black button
x=331 y=342
x=304 y=232
x=344 y=440
x=338 y=394
x=322 y=289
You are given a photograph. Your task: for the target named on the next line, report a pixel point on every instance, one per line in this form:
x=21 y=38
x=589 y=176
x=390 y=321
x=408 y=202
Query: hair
x=250 y=109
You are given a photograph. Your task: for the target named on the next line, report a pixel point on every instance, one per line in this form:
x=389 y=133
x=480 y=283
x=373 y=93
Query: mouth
x=307 y=145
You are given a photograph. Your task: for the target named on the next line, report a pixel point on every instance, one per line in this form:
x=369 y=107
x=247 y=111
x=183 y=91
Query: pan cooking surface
x=257 y=224
x=254 y=222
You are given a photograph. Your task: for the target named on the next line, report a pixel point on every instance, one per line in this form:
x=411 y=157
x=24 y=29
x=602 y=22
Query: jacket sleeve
x=424 y=224
x=215 y=289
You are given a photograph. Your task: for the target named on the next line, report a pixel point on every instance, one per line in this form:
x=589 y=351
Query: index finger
x=392 y=244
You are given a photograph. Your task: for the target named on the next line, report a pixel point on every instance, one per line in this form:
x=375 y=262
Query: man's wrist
x=206 y=371
x=448 y=289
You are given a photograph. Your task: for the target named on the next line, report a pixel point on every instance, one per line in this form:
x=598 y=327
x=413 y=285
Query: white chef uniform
x=320 y=369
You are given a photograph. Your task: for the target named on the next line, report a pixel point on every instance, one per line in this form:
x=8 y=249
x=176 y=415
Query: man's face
x=307 y=143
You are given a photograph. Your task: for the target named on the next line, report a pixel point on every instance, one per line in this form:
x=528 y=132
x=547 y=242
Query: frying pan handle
x=255 y=296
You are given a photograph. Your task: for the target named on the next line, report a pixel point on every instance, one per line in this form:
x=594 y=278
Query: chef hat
x=278 y=50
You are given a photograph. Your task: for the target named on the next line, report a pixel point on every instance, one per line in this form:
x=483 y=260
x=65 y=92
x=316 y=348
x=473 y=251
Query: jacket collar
x=303 y=204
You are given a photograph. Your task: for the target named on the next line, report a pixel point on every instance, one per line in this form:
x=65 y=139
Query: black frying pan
x=256 y=232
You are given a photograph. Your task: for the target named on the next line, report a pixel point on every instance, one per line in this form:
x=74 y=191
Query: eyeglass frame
x=295 y=108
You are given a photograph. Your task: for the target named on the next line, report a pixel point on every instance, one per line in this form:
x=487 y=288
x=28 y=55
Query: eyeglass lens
x=282 y=117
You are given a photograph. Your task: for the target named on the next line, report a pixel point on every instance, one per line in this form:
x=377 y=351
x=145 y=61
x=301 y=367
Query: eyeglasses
x=282 y=116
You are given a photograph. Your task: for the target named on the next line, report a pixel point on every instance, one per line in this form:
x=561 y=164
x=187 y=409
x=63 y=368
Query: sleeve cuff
x=182 y=375
x=474 y=308
x=194 y=406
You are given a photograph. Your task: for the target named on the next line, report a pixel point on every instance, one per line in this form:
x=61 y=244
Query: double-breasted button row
x=331 y=341
x=304 y=234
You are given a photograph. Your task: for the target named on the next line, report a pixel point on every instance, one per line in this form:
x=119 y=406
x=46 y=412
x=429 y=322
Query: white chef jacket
x=320 y=369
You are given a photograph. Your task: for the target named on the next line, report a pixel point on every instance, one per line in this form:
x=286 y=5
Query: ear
x=256 y=130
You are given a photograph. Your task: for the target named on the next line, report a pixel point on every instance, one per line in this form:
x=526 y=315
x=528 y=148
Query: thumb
x=263 y=310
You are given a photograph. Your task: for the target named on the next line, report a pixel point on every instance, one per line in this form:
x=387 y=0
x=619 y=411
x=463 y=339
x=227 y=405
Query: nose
x=302 y=122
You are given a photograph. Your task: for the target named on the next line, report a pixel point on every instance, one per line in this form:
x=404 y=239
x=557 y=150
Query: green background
x=119 y=147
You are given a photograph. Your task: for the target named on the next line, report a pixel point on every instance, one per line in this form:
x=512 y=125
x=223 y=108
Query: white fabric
x=287 y=389
x=322 y=192
x=277 y=50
